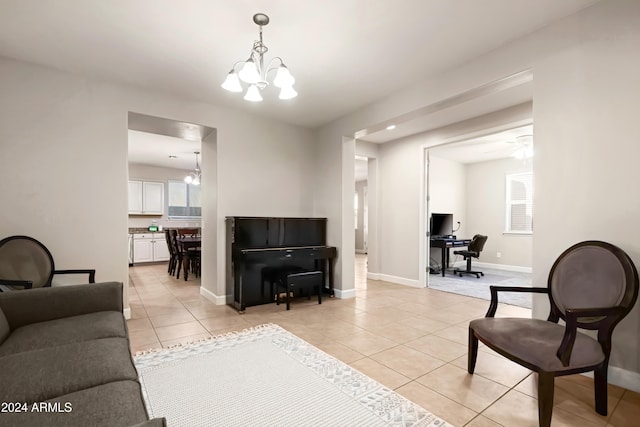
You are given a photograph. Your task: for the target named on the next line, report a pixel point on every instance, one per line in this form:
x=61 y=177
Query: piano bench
x=306 y=280
x=273 y=276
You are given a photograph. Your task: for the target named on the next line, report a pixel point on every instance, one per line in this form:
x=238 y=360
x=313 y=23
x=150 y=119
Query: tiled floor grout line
x=373 y=298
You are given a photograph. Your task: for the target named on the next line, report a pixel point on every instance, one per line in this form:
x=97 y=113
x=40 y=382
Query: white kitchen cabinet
x=135 y=197
x=150 y=247
x=160 y=248
x=142 y=249
x=146 y=197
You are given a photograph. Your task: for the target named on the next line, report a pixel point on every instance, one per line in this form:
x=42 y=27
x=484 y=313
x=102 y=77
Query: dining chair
x=177 y=253
x=188 y=232
x=592 y=285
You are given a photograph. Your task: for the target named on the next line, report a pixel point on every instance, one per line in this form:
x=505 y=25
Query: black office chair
x=473 y=251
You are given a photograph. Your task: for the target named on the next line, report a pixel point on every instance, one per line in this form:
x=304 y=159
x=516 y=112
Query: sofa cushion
x=112 y=404
x=104 y=324
x=43 y=374
x=4 y=327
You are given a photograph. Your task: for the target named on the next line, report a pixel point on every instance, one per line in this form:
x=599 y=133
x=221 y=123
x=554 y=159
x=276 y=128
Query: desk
x=187 y=243
x=445 y=245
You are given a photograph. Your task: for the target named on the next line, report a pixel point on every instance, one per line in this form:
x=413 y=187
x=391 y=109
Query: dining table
x=188 y=243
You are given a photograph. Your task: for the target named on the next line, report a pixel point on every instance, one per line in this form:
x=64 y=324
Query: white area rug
x=266 y=376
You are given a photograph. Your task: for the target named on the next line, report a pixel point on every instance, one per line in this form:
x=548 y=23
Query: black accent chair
x=25 y=263
x=592 y=285
x=473 y=251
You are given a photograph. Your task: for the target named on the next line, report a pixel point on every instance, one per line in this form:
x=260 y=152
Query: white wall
x=447 y=190
x=447 y=194
x=585 y=90
x=66 y=136
x=586 y=137
x=361 y=188
x=486 y=213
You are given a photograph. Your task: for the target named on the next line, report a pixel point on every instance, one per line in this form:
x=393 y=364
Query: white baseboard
x=503 y=267
x=361 y=251
x=127 y=313
x=340 y=294
x=217 y=300
x=400 y=280
x=622 y=378
x=373 y=276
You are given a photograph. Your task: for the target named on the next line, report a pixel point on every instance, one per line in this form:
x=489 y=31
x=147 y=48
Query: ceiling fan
x=524 y=147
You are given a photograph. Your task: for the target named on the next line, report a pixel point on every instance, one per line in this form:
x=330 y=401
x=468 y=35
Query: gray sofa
x=65 y=359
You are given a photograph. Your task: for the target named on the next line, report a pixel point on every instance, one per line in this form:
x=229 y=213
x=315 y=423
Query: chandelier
x=254 y=73
x=194 y=177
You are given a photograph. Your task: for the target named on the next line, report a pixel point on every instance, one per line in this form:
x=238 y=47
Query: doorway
x=469 y=180
x=161 y=154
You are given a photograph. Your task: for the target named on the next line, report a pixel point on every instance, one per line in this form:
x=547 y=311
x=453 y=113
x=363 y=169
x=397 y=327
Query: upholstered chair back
x=592 y=274
x=24 y=258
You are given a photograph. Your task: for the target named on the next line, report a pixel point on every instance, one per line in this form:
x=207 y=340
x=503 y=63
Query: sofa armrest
x=39 y=305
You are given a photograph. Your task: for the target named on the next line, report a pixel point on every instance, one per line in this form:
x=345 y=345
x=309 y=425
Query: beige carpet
x=266 y=376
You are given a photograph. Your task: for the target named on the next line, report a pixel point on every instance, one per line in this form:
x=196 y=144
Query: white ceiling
x=345 y=54
x=153 y=149
x=490 y=147
x=495 y=146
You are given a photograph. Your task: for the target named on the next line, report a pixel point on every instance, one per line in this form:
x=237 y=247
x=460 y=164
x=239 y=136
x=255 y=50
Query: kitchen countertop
x=141 y=230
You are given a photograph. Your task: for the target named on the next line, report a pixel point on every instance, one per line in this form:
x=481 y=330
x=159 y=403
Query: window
x=519 y=203
x=184 y=200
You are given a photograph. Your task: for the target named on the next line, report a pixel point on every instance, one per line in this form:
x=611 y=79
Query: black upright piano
x=258 y=247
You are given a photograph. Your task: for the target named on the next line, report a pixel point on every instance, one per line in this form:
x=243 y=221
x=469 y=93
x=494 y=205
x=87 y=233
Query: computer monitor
x=441 y=225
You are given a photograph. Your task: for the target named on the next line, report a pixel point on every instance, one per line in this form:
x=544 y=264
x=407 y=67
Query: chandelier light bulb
x=256 y=68
x=253 y=94
x=249 y=72
x=194 y=177
x=232 y=82
x=287 y=92
x=283 y=77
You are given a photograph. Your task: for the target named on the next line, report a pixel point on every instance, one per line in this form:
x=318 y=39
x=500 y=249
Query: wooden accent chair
x=592 y=285
x=26 y=263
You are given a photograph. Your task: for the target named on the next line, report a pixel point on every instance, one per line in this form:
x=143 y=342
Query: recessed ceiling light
x=391 y=127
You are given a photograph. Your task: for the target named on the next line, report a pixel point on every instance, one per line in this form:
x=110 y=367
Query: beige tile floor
x=413 y=341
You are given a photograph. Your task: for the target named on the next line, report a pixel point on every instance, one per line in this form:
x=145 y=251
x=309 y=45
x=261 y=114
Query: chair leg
x=179 y=263
x=545 y=398
x=288 y=296
x=320 y=293
x=600 y=387
x=473 y=352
